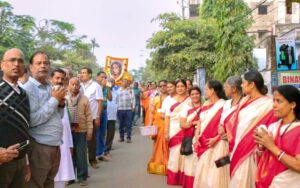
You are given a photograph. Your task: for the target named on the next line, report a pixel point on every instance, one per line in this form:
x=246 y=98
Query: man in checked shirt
x=126 y=105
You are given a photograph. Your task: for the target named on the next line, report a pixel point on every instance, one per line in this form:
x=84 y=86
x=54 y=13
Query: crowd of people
x=235 y=135
x=53 y=124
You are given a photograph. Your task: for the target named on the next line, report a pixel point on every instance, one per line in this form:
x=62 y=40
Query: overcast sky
x=121 y=27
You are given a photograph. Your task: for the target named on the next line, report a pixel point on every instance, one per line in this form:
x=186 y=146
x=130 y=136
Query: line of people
x=50 y=122
x=238 y=137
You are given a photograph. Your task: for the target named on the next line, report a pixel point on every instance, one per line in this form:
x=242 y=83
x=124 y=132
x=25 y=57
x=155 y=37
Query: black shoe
x=70 y=182
x=128 y=140
x=121 y=140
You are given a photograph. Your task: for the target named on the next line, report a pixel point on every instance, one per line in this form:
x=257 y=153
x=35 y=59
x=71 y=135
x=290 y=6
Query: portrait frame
x=116 y=63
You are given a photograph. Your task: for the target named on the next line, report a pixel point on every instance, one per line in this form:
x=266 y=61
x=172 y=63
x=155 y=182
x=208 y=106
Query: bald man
x=14 y=122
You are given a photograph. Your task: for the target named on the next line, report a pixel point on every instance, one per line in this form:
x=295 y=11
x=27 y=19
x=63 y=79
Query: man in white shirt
x=112 y=117
x=93 y=91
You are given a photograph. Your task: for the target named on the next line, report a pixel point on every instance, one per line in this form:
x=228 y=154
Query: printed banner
x=286 y=57
x=289 y=78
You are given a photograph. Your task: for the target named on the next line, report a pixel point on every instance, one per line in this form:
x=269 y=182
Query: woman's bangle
x=278 y=153
x=281 y=155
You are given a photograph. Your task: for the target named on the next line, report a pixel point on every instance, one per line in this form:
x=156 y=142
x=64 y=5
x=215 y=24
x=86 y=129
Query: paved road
x=127 y=168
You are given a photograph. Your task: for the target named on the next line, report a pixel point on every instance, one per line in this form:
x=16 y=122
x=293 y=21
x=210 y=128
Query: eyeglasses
x=14 y=59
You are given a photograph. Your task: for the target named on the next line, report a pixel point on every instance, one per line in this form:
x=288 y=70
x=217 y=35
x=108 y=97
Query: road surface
x=127 y=167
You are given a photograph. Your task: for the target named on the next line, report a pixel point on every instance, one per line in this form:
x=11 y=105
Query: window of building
x=262 y=33
x=262 y=9
x=194 y=11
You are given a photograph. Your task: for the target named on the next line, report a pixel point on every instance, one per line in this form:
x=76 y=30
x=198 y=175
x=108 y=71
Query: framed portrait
x=116 y=68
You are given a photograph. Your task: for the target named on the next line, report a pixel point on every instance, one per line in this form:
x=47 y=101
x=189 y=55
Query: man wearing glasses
x=46 y=110
x=14 y=122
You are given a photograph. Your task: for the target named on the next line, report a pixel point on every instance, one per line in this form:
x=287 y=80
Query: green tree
x=148 y=74
x=58 y=40
x=181 y=47
x=94 y=45
x=55 y=37
x=136 y=74
x=16 y=31
x=233 y=45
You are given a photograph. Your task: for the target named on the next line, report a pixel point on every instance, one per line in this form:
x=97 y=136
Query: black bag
x=222 y=161
x=186 y=147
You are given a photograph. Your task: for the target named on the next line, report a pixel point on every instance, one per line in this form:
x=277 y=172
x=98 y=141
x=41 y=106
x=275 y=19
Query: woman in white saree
x=279 y=146
x=233 y=90
x=189 y=118
x=207 y=134
x=176 y=134
x=254 y=109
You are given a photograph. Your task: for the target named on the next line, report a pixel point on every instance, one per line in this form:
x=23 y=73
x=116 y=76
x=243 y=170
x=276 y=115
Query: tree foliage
x=234 y=46
x=218 y=41
x=181 y=47
x=94 y=44
x=15 y=30
x=55 y=37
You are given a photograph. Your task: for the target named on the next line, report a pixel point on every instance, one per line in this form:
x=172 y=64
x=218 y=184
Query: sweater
x=85 y=119
x=15 y=117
